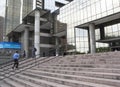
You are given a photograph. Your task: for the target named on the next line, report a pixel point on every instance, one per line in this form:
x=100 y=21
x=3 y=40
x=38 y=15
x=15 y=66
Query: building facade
x=92 y=24
x=80 y=26
x=1 y=28
x=29 y=23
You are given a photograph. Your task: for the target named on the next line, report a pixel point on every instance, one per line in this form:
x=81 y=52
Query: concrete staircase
x=90 y=70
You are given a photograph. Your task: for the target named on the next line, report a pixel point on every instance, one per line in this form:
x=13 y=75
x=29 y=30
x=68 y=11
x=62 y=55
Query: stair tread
x=80 y=67
x=88 y=70
x=71 y=81
x=92 y=78
x=81 y=71
x=13 y=83
x=47 y=82
x=3 y=84
x=26 y=82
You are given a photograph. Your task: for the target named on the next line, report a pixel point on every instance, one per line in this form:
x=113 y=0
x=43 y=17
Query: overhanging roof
x=21 y=27
x=30 y=26
x=104 y=21
x=47 y=26
x=109 y=40
x=59 y=4
x=60 y=34
x=42 y=12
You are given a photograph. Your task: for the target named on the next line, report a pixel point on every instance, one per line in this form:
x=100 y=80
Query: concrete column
x=57 y=46
x=102 y=32
x=37 y=33
x=26 y=40
x=92 y=38
x=88 y=40
x=56 y=39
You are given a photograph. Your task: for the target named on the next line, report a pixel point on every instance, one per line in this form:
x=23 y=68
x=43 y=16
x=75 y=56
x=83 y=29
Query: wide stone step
x=40 y=81
x=21 y=61
x=66 y=79
x=104 y=70
x=25 y=83
x=8 y=71
x=24 y=63
x=82 y=73
x=80 y=78
x=12 y=83
x=88 y=61
x=117 y=66
x=3 y=84
x=11 y=72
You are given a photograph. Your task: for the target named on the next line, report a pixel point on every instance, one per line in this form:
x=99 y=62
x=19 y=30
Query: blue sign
x=13 y=45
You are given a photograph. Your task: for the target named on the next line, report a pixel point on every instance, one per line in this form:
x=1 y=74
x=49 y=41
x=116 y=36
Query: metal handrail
x=10 y=62
x=5 y=64
x=25 y=67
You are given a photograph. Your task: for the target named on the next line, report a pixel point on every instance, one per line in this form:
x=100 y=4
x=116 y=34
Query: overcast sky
x=2 y=7
x=50 y=5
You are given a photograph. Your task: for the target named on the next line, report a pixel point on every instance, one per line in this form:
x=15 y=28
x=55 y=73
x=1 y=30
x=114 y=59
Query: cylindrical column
x=37 y=33
x=56 y=38
x=102 y=32
x=92 y=38
x=26 y=35
x=57 y=47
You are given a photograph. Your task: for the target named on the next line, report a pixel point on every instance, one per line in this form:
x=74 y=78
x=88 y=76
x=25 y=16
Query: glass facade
x=16 y=10
x=112 y=31
x=83 y=11
x=13 y=14
x=76 y=13
x=27 y=7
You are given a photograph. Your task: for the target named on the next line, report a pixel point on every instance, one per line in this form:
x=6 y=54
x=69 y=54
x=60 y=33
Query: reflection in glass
x=83 y=11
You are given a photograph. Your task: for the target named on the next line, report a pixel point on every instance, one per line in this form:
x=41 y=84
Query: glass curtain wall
x=15 y=10
x=112 y=31
x=27 y=7
x=13 y=14
x=83 y=11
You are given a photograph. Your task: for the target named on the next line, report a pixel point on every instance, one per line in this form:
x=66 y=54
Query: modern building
x=92 y=25
x=31 y=24
x=78 y=26
x=1 y=28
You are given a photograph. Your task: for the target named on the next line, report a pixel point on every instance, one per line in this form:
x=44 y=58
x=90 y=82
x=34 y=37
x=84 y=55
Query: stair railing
x=7 y=70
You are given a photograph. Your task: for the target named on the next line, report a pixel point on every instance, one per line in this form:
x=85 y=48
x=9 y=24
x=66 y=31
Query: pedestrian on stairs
x=33 y=52
x=16 y=56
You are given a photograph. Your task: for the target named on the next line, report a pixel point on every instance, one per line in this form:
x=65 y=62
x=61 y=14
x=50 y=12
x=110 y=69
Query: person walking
x=33 y=52
x=43 y=54
x=24 y=54
x=16 y=56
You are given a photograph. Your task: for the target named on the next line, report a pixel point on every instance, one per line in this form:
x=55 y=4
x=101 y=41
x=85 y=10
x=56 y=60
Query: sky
x=50 y=5
x=2 y=8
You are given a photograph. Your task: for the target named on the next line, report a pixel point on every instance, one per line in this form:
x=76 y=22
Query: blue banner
x=13 y=45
